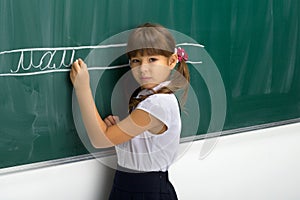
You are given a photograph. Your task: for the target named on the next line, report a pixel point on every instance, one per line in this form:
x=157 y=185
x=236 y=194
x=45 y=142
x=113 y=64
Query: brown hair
x=154 y=39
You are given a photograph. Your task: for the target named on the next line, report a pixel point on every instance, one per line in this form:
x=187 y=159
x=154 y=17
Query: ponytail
x=180 y=82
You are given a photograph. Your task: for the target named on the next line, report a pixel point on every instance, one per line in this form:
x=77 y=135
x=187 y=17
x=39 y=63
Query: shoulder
x=159 y=99
x=160 y=105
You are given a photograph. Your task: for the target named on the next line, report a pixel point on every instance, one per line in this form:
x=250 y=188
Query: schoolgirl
x=147 y=140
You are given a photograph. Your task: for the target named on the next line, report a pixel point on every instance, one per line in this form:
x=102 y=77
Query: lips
x=145 y=79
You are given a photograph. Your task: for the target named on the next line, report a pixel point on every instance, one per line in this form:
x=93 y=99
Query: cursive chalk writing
x=46 y=61
x=34 y=61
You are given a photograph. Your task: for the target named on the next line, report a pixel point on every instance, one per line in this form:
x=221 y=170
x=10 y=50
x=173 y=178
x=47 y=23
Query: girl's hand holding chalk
x=79 y=75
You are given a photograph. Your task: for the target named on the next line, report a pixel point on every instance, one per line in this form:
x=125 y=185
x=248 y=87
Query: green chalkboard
x=244 y=64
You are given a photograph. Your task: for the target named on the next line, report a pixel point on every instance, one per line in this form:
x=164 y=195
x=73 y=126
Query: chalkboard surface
x=244 y=63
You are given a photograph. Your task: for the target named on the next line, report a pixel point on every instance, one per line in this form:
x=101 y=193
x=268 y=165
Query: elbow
x=98 y=138
x=101 y=145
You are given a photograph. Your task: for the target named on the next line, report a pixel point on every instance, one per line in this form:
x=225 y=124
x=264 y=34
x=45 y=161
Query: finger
x=107 y=122
x=111 y=119
x=81 y=63
x=116 y=119
x=76 y=66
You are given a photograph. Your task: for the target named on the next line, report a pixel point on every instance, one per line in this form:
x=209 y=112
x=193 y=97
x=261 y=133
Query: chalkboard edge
x=111 y=151
x=57 y=162
x=239 y=130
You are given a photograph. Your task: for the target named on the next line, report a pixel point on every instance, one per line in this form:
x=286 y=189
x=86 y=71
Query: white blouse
x=154 y=152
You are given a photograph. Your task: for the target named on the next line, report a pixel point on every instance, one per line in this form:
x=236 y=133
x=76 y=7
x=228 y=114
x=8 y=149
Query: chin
x=148 y=85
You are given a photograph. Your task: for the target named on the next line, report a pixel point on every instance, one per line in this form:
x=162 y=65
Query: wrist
x=83 y=91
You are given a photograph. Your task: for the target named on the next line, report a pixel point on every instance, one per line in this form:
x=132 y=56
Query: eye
x=152 y=59
x=134 y=60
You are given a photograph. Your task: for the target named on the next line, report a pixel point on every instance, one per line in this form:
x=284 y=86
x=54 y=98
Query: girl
x=147 y=140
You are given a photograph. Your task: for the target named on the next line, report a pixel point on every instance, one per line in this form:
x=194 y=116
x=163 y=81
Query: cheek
x=135 y=72
x=164 y=70
x=163 y=73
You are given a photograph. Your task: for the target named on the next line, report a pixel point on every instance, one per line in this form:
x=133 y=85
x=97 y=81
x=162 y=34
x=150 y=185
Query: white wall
x=258 y=165
x=261 y=165
x=85 y=180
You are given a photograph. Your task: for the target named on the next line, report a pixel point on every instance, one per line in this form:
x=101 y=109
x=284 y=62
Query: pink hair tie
x=182 y=55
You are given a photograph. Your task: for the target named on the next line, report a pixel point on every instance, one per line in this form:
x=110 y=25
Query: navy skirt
x=142 y=186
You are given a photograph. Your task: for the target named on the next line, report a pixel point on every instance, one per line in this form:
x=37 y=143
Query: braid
x=134 y=101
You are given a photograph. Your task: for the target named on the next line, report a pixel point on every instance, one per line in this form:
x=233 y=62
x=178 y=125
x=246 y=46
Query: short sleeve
x=159 y=106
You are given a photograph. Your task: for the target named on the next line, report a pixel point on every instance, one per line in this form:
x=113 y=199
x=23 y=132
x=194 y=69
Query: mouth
x=147 y=82
x=145 y=79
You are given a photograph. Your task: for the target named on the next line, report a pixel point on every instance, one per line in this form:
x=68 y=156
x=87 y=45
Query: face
x=151 y=70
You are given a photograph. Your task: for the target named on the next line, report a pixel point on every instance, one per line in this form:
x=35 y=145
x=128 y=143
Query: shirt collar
x=145 y=92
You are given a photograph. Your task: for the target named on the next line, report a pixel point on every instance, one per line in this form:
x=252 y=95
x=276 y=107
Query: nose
x=144 y=67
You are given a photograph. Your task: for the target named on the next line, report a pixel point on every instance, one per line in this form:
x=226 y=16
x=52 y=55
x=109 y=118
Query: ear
x=173 y=61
